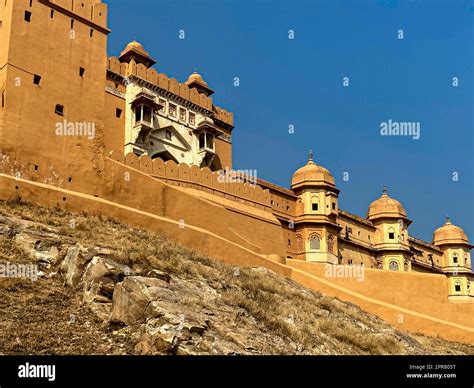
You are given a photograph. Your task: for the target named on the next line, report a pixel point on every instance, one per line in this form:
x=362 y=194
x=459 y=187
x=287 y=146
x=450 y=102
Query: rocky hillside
x=105 y=288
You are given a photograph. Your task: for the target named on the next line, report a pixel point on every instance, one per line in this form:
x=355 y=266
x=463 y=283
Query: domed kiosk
x=391 y=243
x=454 y=243
x=316 y=213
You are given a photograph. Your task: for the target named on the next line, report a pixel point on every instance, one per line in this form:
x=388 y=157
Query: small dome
x=196 y=77
x=386 y=206
x=312 y=174
x=449 y=234
x=136 y=46
x=134 y=50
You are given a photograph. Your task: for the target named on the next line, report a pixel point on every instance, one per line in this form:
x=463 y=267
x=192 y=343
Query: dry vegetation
x=46 y=318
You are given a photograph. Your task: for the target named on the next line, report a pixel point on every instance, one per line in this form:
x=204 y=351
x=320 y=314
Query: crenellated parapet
x=197 y=178
x=168 y=85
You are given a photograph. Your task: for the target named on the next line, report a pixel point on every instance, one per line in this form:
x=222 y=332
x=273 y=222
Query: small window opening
x=59 y=110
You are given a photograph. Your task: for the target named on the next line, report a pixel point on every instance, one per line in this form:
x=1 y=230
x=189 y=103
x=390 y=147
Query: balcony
x=148 y=99
x=143 y=117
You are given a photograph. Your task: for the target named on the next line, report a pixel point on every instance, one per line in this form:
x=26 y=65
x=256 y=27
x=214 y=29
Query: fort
x=156 y=159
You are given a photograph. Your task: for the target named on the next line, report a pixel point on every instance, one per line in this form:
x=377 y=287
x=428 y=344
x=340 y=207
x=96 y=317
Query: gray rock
x=75 y=262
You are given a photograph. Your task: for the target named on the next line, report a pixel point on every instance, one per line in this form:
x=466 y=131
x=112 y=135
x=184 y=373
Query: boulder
x=100 y=277
x=132 y=297
x=75 y=262
x=100 y=267
x=154 y=273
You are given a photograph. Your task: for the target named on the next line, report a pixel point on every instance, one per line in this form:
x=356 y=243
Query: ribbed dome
x=449 y=234
x=312 y=174
x=385 y=207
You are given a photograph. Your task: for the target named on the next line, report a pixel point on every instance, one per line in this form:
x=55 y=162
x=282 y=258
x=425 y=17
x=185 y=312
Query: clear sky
x=300 y=82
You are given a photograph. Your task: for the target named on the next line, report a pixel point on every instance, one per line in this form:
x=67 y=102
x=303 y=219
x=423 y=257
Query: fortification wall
x=90 y=10
x=222 y=249
x=190 y=236
x=420 y=292
x=194 y=177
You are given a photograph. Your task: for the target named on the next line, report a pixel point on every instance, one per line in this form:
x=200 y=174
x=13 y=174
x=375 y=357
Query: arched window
x=314 y=243
x=457 y=286
x=455 y=259
x=393 y=265
x=299 y=243
x=331 y=244
x=391 y=234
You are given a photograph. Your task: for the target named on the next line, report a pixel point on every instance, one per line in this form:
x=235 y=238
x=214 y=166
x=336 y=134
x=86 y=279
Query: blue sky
x=300 y=82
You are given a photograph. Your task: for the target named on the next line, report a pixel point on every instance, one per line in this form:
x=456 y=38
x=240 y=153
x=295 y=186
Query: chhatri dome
x=449 y=234
x=196 y=77
x=312 y=174
x=386 y=207
x=195 y=80
x=134 y=50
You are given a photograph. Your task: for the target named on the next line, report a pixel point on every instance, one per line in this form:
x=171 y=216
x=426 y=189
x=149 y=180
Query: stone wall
x=202 y=179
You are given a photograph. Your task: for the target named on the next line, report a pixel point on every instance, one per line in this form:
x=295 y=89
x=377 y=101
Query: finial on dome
x=310 y=157
x=384 y=191
x=448 y=220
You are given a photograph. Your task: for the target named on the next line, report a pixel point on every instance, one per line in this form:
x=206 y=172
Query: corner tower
x=391 y=235
x=456 y=261
x=52 y=78
x=316 y=213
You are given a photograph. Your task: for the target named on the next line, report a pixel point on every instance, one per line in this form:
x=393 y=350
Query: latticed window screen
x=331 y=244
x=314 y=242
x=299 y=243
x=393 y=266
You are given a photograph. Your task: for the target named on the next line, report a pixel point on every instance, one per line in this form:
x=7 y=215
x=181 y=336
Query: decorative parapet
x=197 y=178
x=170 y=85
